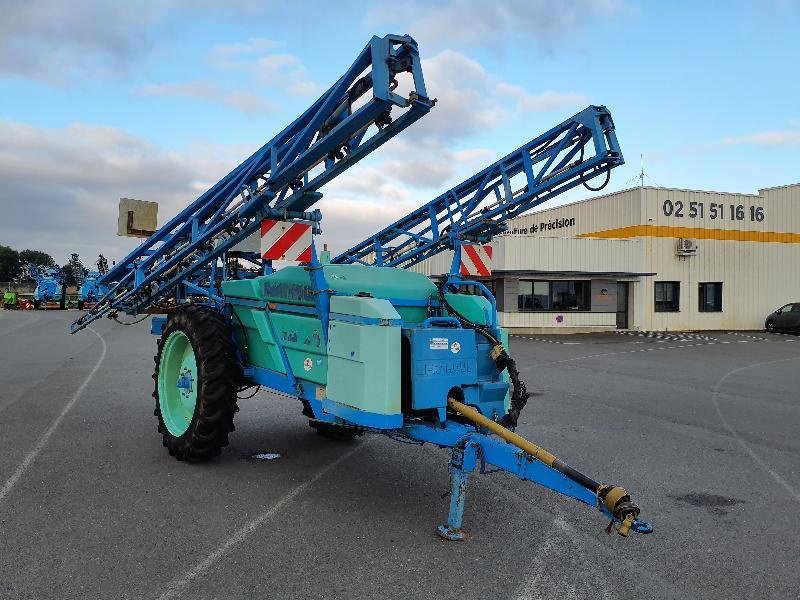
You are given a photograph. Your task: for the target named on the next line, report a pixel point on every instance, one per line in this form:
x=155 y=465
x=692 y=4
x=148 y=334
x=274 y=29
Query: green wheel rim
x=177 y=383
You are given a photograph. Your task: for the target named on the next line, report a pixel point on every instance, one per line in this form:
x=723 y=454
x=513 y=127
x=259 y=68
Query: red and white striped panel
x=476 y=260
x=284 y=240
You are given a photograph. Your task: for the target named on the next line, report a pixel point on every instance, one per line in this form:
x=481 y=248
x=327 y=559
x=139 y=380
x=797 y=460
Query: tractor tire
x=80 y=304
x=196 y=377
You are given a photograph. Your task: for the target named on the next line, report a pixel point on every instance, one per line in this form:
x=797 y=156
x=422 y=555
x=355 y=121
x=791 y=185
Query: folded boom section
x=359 y=112
x=579 y=149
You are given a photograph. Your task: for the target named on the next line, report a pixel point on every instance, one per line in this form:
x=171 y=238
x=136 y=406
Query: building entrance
x=622 y=304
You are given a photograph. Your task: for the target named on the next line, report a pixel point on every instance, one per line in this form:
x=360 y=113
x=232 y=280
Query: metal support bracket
x=462 y=462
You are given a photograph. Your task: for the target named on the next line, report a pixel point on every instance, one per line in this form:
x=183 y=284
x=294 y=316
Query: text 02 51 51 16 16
x=714 y=211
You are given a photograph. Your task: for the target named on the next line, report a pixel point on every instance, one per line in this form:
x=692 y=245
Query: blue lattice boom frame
x=280 y=180
x=576 y=151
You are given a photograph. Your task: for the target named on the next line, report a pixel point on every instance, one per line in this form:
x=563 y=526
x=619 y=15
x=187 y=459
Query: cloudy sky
x=159 y=99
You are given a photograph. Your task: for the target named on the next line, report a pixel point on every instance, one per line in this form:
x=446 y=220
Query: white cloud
x=284 y=71
x=248 y=103
x=365 y=200
x=249 y=46
x=464 y=92
x=52 y=40
x=281 y=71
x=346 y=221
x=367 y=183
x=471 y=100
x=243 y=101
x=771 y=138
x=543 y=101
x=58 y=42
x=74 y=209
x=429 y=165
x=495 y=24
x=202 y=90
x=88 y=168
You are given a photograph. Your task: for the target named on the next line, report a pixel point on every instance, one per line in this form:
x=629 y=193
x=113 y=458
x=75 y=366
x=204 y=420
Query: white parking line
x=638 y=350
x=176 y=585
x=31 y=456
x=542 y=582
x=759 y=461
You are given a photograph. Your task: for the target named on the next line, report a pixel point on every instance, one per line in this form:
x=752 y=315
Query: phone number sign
x=716 y=211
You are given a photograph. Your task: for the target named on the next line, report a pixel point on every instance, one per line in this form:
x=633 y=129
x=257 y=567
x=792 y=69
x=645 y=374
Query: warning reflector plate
x=476 y=260
x=285 y=240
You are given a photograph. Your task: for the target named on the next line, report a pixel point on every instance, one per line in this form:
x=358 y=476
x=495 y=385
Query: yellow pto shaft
x=616 y=499
x=508 y=435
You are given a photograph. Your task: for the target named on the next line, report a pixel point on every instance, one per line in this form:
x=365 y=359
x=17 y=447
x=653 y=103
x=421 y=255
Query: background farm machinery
x=51 y=285
x=365 y=345
x=10 y=300
x=90 y=290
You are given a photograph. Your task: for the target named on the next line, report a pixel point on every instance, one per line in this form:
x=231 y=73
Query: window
x=553 y=295
x=668 y=296
x=710 y=297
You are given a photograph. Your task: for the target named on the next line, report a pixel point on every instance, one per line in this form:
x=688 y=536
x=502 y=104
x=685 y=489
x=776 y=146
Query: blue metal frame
x=280 y=180
x=39 y=274
x=472 y=447
x=574 y=152
x=49 y=281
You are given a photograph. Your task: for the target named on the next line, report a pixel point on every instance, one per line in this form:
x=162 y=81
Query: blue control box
x=441 y=358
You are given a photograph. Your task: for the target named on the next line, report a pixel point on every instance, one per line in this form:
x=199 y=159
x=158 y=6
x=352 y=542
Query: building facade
x=648 y=258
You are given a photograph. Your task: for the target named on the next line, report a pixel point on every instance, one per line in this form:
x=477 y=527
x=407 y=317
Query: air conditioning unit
x=686 y=246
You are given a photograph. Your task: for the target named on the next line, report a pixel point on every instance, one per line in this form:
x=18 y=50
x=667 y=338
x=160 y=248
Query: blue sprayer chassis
x=364 y=344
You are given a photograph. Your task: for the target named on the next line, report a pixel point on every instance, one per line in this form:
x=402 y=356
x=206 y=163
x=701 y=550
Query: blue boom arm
x=579 y=149
x=280 y=180
x=32 y=271
x=39 y=274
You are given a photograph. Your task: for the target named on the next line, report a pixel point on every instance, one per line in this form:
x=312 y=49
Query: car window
x=784 y=309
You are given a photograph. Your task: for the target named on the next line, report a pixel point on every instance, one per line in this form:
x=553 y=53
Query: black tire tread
x=218 y=375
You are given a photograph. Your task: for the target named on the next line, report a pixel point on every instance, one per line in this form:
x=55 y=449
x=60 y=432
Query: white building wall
x=529 y=252
x=755 y=254
x=604 y=212
x=757 y=278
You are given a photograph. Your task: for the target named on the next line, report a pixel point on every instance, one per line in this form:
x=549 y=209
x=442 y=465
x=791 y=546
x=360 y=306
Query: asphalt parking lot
x=702 y=428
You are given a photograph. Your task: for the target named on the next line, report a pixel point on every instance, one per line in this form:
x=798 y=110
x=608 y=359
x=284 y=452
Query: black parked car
x=786 y=318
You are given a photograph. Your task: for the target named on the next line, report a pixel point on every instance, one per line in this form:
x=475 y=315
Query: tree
x=69 y=274
x=37 y=257
x=10 y=264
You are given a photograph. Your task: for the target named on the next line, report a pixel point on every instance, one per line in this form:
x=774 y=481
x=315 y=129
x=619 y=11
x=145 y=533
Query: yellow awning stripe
x=700 y=233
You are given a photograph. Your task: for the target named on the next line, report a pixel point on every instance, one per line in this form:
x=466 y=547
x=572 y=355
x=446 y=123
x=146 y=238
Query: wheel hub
x=186 y=382
x=177 y=383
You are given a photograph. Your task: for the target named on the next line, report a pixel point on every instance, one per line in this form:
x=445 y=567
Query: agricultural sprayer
x=50 y=285
x=364 y=344
x=89 y=288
